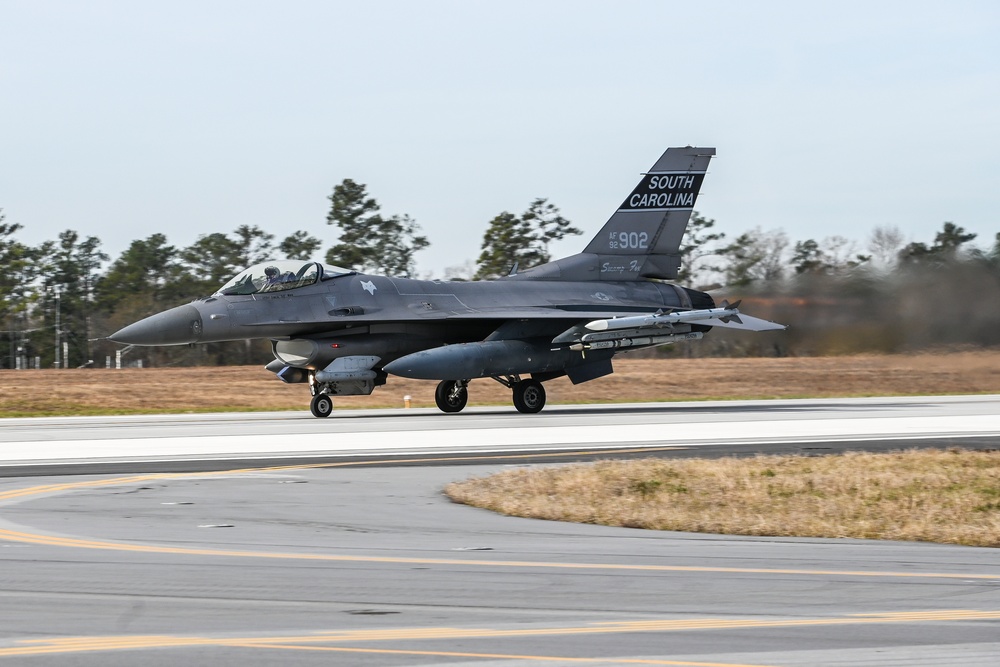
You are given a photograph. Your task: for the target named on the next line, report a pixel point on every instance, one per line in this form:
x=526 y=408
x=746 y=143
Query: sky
x=121 y=119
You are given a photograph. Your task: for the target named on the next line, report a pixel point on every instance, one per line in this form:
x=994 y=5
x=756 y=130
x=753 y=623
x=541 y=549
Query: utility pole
x=58 y=331
x=22 y=348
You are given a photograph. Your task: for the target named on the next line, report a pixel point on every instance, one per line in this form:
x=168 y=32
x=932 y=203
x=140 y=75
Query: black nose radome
x=176 y=326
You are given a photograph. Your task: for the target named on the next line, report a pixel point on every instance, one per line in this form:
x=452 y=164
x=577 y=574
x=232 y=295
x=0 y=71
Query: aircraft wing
x=592 y=321
x=540 y=313
x=500 y=313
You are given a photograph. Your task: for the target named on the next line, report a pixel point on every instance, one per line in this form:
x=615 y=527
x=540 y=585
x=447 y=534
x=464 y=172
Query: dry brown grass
x=929 y=495
x=99 y=391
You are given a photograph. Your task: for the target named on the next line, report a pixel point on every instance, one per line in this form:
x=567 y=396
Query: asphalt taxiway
x=312 y=549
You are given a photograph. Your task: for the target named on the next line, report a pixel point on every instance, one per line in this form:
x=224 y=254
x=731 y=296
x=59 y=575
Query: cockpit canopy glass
x=277 y=276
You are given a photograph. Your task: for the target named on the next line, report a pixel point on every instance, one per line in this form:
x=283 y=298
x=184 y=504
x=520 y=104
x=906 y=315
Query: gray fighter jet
x=343 y=332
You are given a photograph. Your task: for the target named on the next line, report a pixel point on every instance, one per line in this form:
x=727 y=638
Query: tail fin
x=642 y=238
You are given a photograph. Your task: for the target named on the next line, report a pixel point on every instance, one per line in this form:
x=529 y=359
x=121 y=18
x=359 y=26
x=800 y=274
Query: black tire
x=529 y=396
x=321 y=405
x=447 y=400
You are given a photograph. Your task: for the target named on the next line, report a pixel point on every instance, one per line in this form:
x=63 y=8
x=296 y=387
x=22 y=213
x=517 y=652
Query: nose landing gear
x=321 y=405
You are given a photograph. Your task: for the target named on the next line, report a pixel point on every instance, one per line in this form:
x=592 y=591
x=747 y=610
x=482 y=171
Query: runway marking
x=83 y=543
x=509 y=656
x=71 y=486
x=310 y=641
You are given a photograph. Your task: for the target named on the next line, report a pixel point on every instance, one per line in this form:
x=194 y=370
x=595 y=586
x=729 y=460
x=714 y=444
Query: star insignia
x=368 y=286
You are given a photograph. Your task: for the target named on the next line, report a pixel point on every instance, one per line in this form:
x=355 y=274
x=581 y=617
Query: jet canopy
x=278 y=276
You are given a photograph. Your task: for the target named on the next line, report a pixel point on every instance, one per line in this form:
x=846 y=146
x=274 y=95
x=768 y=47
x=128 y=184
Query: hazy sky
x=122 y=119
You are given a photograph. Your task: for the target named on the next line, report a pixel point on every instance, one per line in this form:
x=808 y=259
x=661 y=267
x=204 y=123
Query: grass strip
x=945 y=496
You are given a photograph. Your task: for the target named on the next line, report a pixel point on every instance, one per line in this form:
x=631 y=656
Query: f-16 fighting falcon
x=342 y=332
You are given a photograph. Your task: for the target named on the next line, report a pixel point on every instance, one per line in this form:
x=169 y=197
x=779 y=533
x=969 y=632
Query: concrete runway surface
x=321 y=545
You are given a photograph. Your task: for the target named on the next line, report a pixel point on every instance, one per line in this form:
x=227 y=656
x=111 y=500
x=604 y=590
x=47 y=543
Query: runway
x=313 y=549
x=291 y=435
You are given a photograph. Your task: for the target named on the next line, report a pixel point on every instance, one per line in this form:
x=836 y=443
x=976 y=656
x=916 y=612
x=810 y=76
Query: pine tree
x=370 y=242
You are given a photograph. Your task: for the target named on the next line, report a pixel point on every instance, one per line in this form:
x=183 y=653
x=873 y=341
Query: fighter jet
x=343 y=332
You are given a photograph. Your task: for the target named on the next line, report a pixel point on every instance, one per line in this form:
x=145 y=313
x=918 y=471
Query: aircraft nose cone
x=176 y=326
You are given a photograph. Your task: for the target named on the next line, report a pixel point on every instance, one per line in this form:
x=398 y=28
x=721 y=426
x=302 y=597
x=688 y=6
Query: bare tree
x=884 y=244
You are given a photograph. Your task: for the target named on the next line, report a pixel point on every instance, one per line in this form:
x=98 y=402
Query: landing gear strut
x=452 y=395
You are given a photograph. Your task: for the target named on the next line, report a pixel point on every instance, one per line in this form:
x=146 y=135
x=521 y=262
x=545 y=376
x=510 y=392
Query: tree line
x=60 y=298
x=839 y=296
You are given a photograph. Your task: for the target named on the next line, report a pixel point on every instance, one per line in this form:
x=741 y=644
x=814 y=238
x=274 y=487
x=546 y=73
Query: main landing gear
x=528 y=395
x=452 y=395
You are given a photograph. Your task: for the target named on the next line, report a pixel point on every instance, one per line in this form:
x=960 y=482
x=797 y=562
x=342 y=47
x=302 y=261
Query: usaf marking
x=628 y=240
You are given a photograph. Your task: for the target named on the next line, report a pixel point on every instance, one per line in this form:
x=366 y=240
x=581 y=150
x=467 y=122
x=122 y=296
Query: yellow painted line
x=486 y=458
x=73 y=644
x=82 y=543
x=502 y=656
x=78 y=543
x=74 y=486
x=310 y=641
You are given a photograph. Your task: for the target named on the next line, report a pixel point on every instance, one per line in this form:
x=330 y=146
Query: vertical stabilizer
x=642 y=238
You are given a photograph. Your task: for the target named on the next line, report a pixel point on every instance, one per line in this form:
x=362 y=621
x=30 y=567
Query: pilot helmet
x=271 y=272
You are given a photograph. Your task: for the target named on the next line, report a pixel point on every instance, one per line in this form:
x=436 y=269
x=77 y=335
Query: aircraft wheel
x=321 y=405
x=529 y=396
x=447 y=399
